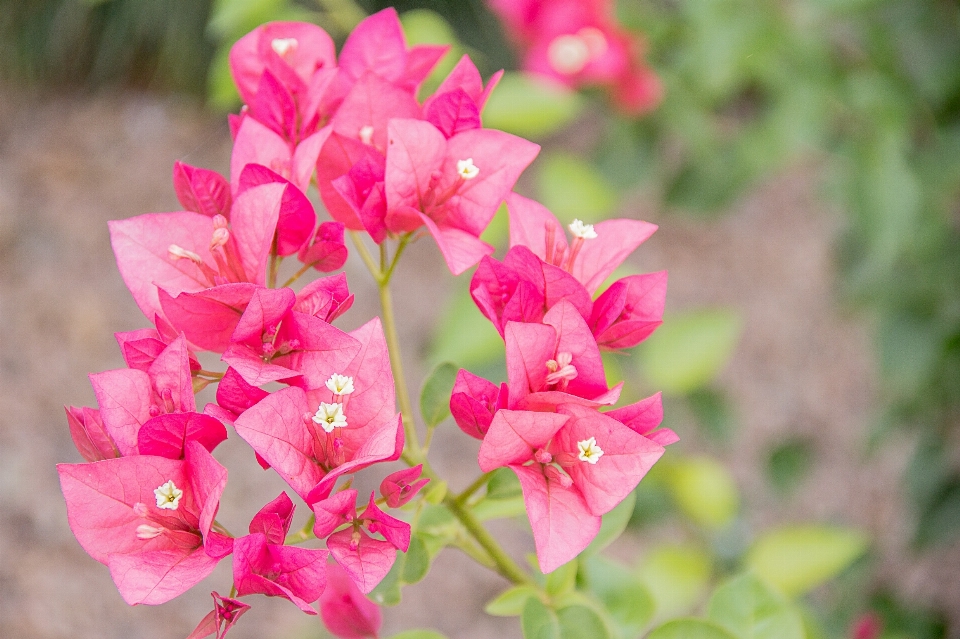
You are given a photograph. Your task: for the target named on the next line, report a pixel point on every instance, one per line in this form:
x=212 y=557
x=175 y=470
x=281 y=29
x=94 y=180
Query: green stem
x=506 y=566
x=303 y=534
x=412 y=453
x=477 y=484
x=296 y=276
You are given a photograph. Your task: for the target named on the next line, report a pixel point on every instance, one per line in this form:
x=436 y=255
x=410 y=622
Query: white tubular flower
x=589 y=451
x=467 y=169
x=330 y=416
x=340 y=384
x=168 y=496
x=283 y=46
x=582 y=231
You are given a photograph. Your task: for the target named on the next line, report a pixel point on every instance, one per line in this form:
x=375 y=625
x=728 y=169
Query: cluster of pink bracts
x=386 y=164
x=580 y=44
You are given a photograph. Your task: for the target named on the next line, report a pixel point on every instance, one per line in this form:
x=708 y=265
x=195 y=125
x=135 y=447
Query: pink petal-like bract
x=345 y=611
x=202 y=190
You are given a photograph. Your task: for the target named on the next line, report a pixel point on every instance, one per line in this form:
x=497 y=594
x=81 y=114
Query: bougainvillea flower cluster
x=580 y=44
x=318 y=404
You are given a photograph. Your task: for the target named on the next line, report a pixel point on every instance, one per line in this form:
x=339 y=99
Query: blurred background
x=803 y=164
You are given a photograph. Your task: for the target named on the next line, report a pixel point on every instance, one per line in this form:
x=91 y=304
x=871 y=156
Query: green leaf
x=789 y=463
x=419 y=634
x=750 y=609
x=676 y=576
x=689 y=350
x=580 y=622
x=563 y=579
x=436 y=492
x=510 y=603
x=503 y=484
x=538 y=621
x=704 y=490
x=628 y=601
x=612 y=525
x=435 y=396
x=530 y=106
x=416 y=561
x=387 y=592
x=800 y=558
x=487 y=509
x=483 y=349
x=571 y=188
x=690 y=629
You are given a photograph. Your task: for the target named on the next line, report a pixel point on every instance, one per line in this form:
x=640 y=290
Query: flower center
x=588 y=450
x=466 y=169
x=284 y=46
x=366 y=134
x=568 y=54
x=168 y=497
x=330 y=416
x=340 y=384
x=561 y=370
x=582 y=231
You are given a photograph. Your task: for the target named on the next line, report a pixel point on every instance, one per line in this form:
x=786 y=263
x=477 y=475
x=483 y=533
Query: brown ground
x=67 y=165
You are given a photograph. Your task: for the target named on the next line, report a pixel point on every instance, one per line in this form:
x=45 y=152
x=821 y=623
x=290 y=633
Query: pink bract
x=345 y=611
x=153 y=554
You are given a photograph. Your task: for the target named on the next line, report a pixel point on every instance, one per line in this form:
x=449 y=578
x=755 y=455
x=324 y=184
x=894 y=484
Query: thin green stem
x=303 y=534
x=412 y=453
x=506 y=566
x=366 y=257
x=274 y=265
x=477 y=484
x=296 y=276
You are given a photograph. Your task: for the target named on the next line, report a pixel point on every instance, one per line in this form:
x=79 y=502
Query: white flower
x=330 y=416
x=467 y=169
x=340 y=384
x=589 y=451
x=283 y=46
x=168 y=496
x=582 y=231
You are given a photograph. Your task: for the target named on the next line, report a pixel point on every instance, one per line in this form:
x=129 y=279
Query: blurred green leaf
x=563 y=579
x=510 y=603
x=689 y=350
x=416 y=561
x=704 y=490
x=580 y=622
x=436 y=491
x=572 y=189
x=628 y=601
x=749 y=609
x=788 y=463
x=690 y=629
x=713 y=413
x=677 y=576
x=612 y=526
x=538 y=621
x=487 y=509
x=799 y=558
x=503 y=484
x=483 y=349
x=435 y=395
x=530 y=106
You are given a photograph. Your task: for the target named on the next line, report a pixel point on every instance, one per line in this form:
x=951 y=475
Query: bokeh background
x=803 y=166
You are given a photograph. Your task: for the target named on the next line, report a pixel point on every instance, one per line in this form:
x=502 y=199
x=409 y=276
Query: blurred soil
x=70 y=164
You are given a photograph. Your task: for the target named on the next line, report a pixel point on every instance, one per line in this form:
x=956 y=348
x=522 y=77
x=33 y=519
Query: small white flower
x=340 y=384
x=366 y=134
x=168 y=496
x=330 y=416
x=589 y=451
x=568 y=54
x=283 y=46
x=582 y=231
x=467 y=169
